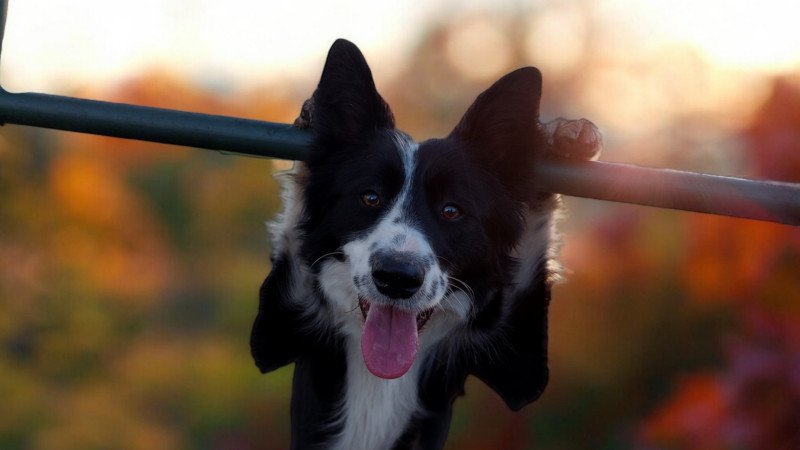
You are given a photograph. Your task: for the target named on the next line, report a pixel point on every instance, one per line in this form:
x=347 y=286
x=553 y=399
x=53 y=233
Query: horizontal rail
x=663 y=188
x=673 y=189
x=230 y=134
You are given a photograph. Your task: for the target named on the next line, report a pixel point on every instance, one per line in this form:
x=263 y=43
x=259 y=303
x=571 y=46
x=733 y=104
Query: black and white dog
x=400 y=268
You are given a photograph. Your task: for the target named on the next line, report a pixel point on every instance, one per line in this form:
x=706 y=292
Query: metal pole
x=4 y=14
x=770 y=201
x=663 y=188
x=229 y=134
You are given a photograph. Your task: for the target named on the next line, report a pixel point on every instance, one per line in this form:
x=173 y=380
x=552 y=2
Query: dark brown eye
x=451 y=212
x=371 y=199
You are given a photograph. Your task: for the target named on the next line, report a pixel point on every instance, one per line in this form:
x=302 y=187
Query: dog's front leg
x=283 y=333
x=513 y=357
x=277 y=336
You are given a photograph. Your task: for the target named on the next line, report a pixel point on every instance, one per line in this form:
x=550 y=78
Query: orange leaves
x=753 y=404
x=91 y=190
x=693 y=418
x=730 y=260
x=751 y=270
x=104 y=242
x=109 y=234
x=724 y=262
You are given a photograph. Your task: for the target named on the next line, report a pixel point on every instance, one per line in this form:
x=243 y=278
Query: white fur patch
x=539 y=238
x=376 y=411
x=286 y=240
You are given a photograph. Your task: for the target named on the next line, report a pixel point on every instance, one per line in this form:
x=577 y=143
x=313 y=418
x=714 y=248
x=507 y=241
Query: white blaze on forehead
x=394 y=231
x=404 y=236
x=407 y=149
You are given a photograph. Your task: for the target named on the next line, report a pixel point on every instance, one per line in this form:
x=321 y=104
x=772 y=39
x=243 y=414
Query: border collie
x=399 y=268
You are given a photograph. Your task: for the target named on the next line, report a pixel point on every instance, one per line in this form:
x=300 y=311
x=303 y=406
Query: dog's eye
x=371 y=199
x=451 y=211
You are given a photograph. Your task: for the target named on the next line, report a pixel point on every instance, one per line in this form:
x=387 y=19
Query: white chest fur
x=375 y=411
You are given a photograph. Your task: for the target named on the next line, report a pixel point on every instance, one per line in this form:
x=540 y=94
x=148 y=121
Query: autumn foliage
x=129 y=274
x=753 y=270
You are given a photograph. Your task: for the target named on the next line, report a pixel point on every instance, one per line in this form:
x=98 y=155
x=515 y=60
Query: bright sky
x=48 y=41
x=51 y=44
x=761 y=33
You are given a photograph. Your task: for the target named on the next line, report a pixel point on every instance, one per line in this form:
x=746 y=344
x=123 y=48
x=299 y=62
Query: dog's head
x=409 y=241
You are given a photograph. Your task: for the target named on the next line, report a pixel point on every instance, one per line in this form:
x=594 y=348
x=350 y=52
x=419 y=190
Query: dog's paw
x=573 y=139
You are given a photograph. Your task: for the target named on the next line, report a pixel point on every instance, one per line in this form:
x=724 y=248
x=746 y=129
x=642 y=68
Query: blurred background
x=129 y=271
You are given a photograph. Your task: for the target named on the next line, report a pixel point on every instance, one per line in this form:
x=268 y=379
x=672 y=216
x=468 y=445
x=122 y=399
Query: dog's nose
x=398 y=275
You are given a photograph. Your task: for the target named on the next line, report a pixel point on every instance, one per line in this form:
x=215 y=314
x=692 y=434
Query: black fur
x=483 y=166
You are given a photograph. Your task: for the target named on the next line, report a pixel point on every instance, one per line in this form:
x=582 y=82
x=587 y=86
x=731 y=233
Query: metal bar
x=761 y=200
x=3 y=15
x=664 y=188
x=673 y=189
x=230 y=134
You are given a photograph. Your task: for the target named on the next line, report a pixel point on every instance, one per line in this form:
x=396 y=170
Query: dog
x=400 y=268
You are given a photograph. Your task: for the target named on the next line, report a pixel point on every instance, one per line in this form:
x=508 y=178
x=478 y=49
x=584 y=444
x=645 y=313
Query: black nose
x=397 y=275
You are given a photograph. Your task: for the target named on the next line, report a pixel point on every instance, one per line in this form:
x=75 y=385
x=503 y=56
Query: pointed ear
x=508 y=109
x=346 y=103
x=501 y=129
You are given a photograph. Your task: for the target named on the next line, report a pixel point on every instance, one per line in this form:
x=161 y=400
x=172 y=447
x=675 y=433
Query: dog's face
x=391 y=263
x=391 y=228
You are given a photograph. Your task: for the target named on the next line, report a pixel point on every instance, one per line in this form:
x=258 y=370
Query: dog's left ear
x=347 y=106
x=501 y=129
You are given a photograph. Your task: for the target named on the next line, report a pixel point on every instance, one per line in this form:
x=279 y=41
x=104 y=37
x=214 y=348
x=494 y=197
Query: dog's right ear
x=347 y=106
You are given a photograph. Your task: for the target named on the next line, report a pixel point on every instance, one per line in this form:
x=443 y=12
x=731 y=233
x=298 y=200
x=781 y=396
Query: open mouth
x=422 y=318
x=390 y=338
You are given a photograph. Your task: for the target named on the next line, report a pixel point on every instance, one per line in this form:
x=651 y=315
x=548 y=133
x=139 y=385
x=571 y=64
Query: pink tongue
x=389 y=342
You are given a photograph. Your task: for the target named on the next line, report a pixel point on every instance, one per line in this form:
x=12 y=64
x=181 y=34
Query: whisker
x=325 y=256
x=442 y=258
x=455 y=283
x=462 y=286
